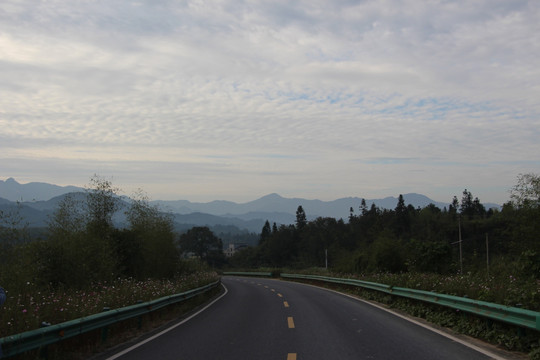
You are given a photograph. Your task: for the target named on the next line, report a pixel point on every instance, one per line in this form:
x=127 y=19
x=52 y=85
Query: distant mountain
x=34 y=191
x=275 y=207
x=39 y=200
x=28 y=215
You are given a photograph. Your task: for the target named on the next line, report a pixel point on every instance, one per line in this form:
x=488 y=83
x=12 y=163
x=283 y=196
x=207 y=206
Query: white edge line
x=426 y=326
x=125 y=351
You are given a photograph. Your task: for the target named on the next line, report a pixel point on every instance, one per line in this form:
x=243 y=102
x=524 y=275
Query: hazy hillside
x=41 y=199
x=33 y=191
x=274 y=206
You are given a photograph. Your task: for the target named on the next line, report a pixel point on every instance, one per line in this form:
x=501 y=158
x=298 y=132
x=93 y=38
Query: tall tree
x=266 y=232
x=153 y=240
x=363 y=207
x=402 y=221
x=301 y=219
x=203 y=243
x=526 y=193
x=467 y=206
x=102 y=203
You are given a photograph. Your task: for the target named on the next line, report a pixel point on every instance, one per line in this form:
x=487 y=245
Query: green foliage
x=526 y=193
x=13 y=230
x=248 y=258
x=300 y=218
x=148 y=247
x=82 y=246
x=430 y=256
x=387 y=254
x=266 y=232
x=202 y=243
x=409 y=239
x=102 y=203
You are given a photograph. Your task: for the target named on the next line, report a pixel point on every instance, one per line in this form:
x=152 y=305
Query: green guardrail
x=20 y=343
x=245 y=273
x=508 y=314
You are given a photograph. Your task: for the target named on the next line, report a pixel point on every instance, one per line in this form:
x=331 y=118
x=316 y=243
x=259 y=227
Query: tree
x=467 y=206
x=151 y=239
x=526 y=193
x=280 y=249
x=202 y=242
x=80 y=247
x=387 y=253
x=453 y=208
x=351 y=214
x=300 y=218
x=402 y=221
x=68 y=218
x=266 y=232
x=13 y=228
x=525 y=197
x=102 y=203
x=479 y=209
x=430 y=256
x=13 y=240
x=363 y=207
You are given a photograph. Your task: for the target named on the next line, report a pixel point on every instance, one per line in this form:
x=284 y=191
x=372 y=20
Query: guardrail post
x=520 y=330
x=139 y=319
x=44 y=351
x=105 y=330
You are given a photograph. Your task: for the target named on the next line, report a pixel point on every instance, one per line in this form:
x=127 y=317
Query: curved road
x=272 y=319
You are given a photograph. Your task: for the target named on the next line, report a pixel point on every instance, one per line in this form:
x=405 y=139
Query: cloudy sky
x=232 y=100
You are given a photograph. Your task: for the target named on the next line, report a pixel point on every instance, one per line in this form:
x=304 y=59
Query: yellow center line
x=291 y=356
x=290 y=321
x=273 y=290
x=279 y=295
x=286 y=304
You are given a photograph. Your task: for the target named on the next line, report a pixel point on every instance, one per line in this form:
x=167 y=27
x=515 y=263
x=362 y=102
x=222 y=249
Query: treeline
x=82 y=246
x=411 y=239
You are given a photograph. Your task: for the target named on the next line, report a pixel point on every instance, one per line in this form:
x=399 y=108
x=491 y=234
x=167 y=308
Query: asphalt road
x=272 y=319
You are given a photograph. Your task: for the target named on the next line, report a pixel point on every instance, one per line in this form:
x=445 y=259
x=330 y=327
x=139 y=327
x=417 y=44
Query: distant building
x=233 y=249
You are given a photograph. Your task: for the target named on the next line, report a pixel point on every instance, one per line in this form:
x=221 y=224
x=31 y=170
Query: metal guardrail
x=34 y=339
x=508 y=314
x=245 y=273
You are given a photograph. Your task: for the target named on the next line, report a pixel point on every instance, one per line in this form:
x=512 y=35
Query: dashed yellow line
x=279 y=295
x=286 y=304
x=290 y=321
x=291 y=356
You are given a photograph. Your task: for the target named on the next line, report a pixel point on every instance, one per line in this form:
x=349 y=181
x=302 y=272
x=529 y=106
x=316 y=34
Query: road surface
x=270 y=319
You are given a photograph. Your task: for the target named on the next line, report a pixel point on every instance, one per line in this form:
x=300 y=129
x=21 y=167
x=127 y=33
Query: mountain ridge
x=12 y=190
x=250 y=215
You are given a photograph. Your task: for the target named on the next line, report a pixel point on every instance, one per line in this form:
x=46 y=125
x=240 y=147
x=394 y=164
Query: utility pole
x=326 y=259
x=487 y=254
x=460 y=250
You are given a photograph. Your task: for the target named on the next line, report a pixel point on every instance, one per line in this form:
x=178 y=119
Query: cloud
x=315 y=92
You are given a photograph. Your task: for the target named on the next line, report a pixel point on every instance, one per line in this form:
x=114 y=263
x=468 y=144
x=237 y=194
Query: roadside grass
x=28 y=309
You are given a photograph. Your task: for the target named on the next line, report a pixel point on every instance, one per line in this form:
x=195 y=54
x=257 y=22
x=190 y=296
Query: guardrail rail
x=247 y=273
x=30 y=340
x=508 y=314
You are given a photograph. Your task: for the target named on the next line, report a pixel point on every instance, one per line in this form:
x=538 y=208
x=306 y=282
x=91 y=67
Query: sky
x=233 y=100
